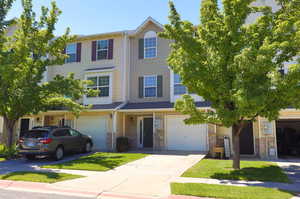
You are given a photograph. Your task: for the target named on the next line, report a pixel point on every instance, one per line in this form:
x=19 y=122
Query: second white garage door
x=95 y=126
x=185 y=137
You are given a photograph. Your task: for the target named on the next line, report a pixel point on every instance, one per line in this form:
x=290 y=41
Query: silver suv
x=53 y=141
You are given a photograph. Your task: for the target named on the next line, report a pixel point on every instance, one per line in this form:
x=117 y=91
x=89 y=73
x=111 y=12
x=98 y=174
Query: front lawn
x=228 y=192
x=250 y=170
x=45 y=177
x=98 y=161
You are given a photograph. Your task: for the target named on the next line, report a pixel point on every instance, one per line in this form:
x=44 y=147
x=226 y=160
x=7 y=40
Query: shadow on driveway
x=23 y=164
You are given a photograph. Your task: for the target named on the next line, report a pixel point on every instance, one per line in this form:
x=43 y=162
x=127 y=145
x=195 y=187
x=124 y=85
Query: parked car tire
x=30 y=157
x=87 y=147
x=59 y=153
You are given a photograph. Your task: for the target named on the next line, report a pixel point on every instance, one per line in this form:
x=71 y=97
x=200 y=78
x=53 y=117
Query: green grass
x=2 y=159
x=98 y=161
x=250 y=171
x=45 y=177
x=228 y=192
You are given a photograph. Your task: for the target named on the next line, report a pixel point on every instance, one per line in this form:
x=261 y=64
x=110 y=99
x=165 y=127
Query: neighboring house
x=138 y=91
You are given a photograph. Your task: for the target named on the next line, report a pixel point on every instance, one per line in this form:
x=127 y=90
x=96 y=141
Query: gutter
x=114 y=116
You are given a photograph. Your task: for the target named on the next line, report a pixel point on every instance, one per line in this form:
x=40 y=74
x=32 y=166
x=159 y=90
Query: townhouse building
x=137 y=95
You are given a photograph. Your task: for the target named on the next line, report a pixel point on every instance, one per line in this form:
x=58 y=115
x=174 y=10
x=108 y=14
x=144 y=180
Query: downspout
x=114 y=118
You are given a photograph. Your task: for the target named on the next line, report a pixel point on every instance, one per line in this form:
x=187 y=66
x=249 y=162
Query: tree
x=237 y=66
x=24 y=58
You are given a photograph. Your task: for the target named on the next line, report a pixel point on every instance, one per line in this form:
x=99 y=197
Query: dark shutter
x=159 y=86
x=94 y=46
x=110 y=49
x=141 y=87
x=141 y=49
x=78 y=52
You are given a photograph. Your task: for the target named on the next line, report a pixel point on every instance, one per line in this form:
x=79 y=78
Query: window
x=150 y=86
x=71 y=52
x=102 y=49
x=150 y=47
x=61 y=133
x=74 y=133
x=100 y=83
x=150 y=44
x=179 y=89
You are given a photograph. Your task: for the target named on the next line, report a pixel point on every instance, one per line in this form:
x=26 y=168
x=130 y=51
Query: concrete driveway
x=148 y=177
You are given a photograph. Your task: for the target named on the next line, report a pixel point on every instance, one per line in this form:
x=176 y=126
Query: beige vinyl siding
x=78 y=68
x=152 y=66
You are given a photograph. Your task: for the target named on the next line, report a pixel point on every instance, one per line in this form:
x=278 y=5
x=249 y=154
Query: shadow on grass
x=108 y=162
x=48 y=175
x=267 y=173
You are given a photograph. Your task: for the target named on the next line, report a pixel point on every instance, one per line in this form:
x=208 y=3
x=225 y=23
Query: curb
x=42 y=188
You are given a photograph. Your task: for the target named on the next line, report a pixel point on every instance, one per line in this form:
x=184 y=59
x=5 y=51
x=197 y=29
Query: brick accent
x=159 y=134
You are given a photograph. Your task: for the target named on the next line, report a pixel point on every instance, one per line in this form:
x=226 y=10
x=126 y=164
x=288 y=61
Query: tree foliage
x=234 y=64
x=24 y=57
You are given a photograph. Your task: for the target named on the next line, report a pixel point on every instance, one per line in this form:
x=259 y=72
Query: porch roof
x=158 y=105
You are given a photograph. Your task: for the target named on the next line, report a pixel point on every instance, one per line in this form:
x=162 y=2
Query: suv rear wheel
x=59 y=153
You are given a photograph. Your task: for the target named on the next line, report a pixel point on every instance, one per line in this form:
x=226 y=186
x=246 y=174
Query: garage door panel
x=185 y=137
x=96 y=127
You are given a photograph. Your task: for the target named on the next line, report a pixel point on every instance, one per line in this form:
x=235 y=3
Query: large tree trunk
x=236 y=131
x=8 y=132
x=236 y=147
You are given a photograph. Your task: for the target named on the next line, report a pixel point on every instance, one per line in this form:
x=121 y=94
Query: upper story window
x=100 y=83
x=102 y=49
x=150 y=86
x=71 y=51
x=148 y=46
x=179 y=88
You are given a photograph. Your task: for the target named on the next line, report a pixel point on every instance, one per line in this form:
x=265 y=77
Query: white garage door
x=96 y=127
x=185 y=137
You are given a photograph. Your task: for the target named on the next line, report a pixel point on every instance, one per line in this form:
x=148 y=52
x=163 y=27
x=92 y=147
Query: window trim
x=149 y=35
x=144 y=89
x=97 y=50
x=180 y=84
x=98 y=87
x=147 y=48
x=66 y=62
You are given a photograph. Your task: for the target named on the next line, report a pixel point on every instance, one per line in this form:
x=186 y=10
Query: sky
x=99 y=16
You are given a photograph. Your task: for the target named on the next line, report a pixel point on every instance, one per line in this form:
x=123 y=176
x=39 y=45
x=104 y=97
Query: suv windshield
x=36 y=134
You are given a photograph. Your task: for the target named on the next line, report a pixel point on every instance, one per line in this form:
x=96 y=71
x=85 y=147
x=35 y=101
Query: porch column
x=114 y=130
x=124 y=124
x=154 y=130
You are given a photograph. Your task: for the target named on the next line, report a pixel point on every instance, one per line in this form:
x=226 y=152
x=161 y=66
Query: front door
x=148 y=133
x=24 y=126
x=246 y=140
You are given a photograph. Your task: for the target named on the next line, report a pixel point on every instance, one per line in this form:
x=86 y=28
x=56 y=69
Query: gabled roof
x=145 y=23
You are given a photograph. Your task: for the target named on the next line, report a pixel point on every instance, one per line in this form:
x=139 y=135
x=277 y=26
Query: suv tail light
x=46 y=141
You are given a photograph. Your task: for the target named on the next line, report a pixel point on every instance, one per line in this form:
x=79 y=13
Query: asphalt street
x=8 y=194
